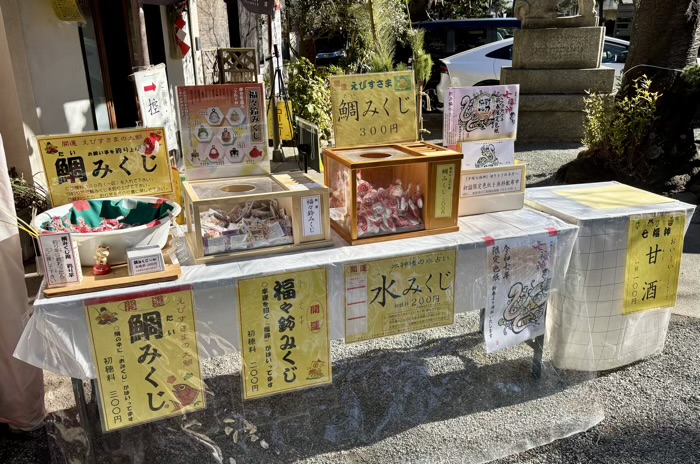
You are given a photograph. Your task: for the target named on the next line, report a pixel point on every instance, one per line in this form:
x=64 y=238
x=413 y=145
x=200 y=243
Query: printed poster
x=373 y=108
x=519 y=274
x=156 y=108
x=398 y=295
x=487 y=153
x=223 y=130
x=654 y=251
x=145 y=348
x=106 y=164
x=284 y=332
x=480 y=113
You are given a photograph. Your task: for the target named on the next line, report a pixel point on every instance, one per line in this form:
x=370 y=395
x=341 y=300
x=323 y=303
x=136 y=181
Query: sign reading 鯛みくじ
x=284 y=332
x=146 y=354
x=106 y=164
x=373 y=108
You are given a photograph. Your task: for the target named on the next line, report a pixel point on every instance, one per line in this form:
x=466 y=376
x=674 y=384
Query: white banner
x=154 y=100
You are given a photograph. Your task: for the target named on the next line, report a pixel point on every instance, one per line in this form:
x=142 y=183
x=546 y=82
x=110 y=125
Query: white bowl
x=118 y=241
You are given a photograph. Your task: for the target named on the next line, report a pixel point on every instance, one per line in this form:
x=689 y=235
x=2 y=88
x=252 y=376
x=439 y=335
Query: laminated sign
x=284 y=332
x=223 y=130
x=398 y=295
x=480 y=113
x=106 y=164
x=146 y=354
x=373 y=108
x=154 y=101
x=519 y=274
x=654 y=251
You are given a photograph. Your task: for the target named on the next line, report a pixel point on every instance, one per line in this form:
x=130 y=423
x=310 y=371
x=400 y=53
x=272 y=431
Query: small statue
x=101 y=268
x=540 y=14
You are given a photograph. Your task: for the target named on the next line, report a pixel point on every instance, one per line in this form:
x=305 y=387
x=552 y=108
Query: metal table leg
x=537 y=345
x=79 y=394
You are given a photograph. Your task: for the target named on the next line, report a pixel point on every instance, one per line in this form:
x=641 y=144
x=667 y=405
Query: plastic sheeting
x=587 y=329
x=427 y=396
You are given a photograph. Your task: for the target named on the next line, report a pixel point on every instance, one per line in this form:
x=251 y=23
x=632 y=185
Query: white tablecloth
x=57 y=338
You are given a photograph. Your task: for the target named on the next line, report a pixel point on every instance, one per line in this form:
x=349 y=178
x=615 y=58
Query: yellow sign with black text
x=284 y=332
x=399 y=295
x=106 y=164
x=374 y=108
x=284 y=119
x=146 y=355
x=654 y=251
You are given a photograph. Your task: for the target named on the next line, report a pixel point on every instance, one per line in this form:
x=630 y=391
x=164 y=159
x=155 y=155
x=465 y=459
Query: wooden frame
x=292 y=187
x=237 y=65
x=422 y=155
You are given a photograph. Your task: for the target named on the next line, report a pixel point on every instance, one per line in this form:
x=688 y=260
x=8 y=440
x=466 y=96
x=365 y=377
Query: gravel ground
x=428 y=397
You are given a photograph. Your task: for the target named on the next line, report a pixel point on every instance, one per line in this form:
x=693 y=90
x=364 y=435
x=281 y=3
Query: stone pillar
x=555 y=61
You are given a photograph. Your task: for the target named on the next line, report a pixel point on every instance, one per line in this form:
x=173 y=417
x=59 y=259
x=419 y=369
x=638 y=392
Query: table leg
x=79 y=394
x=537 y=345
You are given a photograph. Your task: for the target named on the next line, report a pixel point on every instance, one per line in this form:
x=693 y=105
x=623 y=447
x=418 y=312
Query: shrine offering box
x=618 y=295
x=256 y=215
x=493 y=189
x=393 y=191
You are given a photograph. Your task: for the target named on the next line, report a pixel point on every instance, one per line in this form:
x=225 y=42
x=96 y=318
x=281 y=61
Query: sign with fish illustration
x=519 y=278
x=145 y=350
x=284 y=332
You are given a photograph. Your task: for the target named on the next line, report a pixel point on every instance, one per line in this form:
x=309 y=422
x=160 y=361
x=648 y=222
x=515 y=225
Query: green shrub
x=691 y=76
x=619 y=126
x=310 y=95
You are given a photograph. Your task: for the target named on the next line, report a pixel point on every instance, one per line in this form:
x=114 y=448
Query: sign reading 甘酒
x=106 y=164
x=284 y=332
x=654 y=250
x=145 y=349
x=373 y=108
x=398 y=295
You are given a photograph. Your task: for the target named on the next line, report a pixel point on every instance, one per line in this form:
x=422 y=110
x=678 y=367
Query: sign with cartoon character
x=223 y=130
x=145 y=349
x=480 y=113
x=519 y=274
x=284 y=332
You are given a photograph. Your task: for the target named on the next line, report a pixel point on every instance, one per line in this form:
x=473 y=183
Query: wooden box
x=250 y=216
x=385 y=192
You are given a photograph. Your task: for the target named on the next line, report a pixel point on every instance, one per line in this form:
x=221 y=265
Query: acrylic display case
x=250 y=216
x=386 y=192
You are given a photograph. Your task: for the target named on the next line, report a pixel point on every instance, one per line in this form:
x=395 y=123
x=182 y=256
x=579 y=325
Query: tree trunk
x=665 y=34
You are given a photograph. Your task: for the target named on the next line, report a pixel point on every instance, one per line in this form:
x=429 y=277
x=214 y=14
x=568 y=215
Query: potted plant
x=30 y=199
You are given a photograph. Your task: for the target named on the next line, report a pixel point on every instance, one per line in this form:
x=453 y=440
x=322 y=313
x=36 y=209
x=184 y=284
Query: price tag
x=61 y=259
x=145 y=260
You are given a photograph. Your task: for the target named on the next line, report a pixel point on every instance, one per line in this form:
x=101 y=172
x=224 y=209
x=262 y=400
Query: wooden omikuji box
x=250 y=216
x=393 y=191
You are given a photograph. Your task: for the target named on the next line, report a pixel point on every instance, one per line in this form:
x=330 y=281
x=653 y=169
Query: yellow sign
x=613 y=196
x=106 y=164
x=374 y=108
x=284 y=332
x=398 y=295
x=444 y=190
x=145 y=350
x=284 y=118
x=654 y=250
x=68 y=10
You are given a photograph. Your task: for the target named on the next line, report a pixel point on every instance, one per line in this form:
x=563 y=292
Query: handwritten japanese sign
x=311 y=215
x=145 y=348
x=223 y=130
x=61 y=259
x=284 y=332
x=373 y=108
x=654 y=251
x=444 y=190
x=490 y=181
x=153 y=94
x=398 y=295
x=106 y=164
x=519 y=274
x=284 y=119
x=480 y=113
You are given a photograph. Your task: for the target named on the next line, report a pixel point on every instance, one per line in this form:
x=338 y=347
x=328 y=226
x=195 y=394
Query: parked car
x=482 y=65
x=444 y=38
